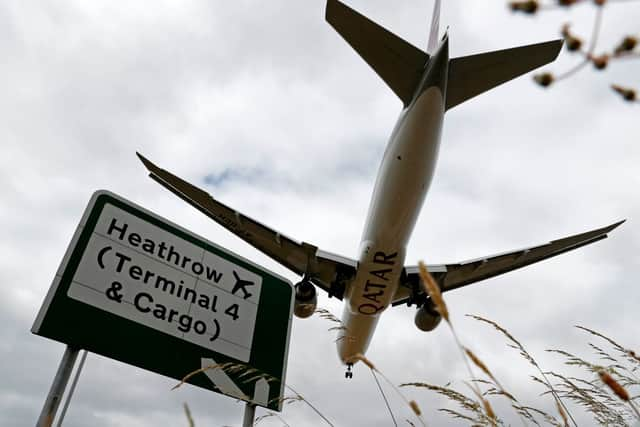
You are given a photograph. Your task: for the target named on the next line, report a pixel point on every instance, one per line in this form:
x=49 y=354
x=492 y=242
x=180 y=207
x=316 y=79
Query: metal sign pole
x=72 y=389
x=249 y=415
x=57 y=388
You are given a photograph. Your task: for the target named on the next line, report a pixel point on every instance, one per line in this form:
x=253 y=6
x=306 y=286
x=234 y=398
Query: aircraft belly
x=355 y=338
x=402 y=183
x=406 y=171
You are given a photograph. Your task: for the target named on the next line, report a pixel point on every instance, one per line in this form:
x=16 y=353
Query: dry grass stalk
x=327 y=315
x=629 y=355
x=489 y=411
x=523 y=352
x=636 y=412
x=362 y=358
x=464 y=401
x=563 y=415
x=521 y=411
x=480 y=364
x=187 y=412
x=344 y=337
x=370 y=365
x=604 y=409
x=222 y=366
x=592 y=396
x=299 y=397
x=528 y=411
x=433 y=290
x=500 y=389
x=270 y=415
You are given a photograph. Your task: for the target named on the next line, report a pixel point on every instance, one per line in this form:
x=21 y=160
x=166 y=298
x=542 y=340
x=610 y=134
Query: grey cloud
x=271 y=94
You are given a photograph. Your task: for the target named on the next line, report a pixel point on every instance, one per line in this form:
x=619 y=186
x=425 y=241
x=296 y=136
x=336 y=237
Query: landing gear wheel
x=349 y=374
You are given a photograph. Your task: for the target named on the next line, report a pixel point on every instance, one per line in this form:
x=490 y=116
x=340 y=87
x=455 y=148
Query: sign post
x=76 y=377
x=139 y=289
x=249 y=415
x=57 y=387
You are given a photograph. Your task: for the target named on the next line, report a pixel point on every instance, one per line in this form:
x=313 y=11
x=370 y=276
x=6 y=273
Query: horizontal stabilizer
x=397 y=62
x=452 y=276
x=472 y=75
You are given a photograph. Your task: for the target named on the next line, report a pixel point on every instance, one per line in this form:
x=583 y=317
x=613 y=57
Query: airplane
x=241 y=285
x=428 y=84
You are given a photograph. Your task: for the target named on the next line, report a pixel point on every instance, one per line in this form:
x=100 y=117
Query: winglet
x=147 y=163
x=613 y=226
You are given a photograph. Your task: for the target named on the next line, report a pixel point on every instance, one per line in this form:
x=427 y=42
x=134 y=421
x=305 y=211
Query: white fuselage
x=403 y=180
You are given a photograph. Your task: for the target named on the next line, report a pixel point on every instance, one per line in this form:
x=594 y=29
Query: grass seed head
x=562 y=413
x=479 y=363
x=433 y=290
x=489 y=410
x=361 y=357
x=415 y=408
x=614 y=385
x=187 y=413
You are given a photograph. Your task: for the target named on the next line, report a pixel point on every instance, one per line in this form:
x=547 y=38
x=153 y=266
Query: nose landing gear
x=349 y=374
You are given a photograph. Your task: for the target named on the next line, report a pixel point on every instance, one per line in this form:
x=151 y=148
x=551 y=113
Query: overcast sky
x=266 y=107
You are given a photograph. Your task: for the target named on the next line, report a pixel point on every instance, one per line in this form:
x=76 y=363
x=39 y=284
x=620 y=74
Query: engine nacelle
x=306 y=300
x=427 y=317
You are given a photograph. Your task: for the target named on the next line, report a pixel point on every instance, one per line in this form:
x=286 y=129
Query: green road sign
x=136 y=288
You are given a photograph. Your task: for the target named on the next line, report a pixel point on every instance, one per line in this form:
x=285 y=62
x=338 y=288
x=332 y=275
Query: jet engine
x=427 y=317
x=305 y=299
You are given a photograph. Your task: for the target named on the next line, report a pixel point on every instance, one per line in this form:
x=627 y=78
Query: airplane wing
x=452 y=276
x=327 y=271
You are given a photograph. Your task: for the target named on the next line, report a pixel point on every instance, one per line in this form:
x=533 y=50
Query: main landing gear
x=349 y=374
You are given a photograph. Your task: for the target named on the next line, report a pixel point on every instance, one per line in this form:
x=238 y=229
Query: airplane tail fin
x=435 y=25
x=472 y=75
x=397 y=62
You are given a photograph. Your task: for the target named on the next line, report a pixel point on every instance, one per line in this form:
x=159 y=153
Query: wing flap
x=453 y=276
x=326 y=270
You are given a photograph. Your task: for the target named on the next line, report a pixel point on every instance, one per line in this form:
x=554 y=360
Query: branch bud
x=525 y=6
x=573 y=43
x=626 y=45
x=627 y=93
x=600 y=62
x=544 y=79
